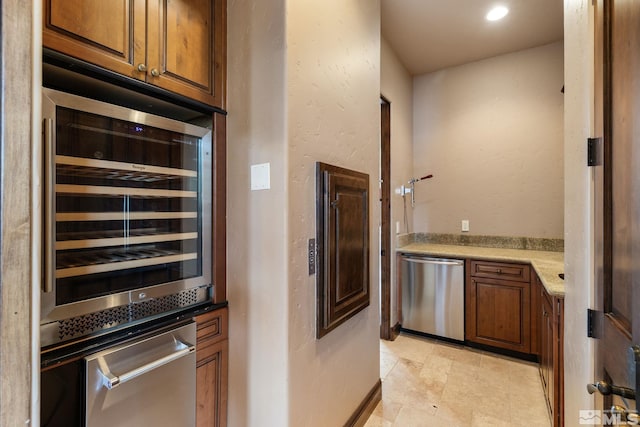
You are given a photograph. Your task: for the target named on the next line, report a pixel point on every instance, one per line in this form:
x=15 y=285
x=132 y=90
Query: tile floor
x=434 y=384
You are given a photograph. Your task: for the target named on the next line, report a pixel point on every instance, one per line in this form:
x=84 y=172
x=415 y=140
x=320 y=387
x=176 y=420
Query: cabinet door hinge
x=591 y=314
x=593 y=151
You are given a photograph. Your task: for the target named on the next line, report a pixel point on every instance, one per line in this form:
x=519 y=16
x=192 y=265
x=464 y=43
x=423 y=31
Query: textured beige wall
x=257 y=246
x=578 y=232
x=304 y=86
x=397 y=87
x=491 y=134
x=333 y=92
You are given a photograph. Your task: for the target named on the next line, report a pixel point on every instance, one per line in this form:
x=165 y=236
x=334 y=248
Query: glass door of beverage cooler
x=128 y=207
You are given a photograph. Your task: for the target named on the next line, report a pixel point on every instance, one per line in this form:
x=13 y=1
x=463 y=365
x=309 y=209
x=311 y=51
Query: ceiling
x=428 y=35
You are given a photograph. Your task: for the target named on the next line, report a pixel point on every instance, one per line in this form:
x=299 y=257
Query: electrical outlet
x=465 y=225
x=397 y=227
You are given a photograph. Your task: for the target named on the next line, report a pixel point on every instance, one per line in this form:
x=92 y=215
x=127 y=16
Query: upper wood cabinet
x=177 y=45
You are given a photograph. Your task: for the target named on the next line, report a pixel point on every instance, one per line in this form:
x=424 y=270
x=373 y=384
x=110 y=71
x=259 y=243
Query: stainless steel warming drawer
x=149 y=382
x=433 y=296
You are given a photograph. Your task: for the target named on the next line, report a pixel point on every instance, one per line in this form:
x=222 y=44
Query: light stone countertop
x=547 y=264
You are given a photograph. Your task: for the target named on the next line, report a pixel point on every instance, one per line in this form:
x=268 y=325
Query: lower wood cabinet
x=552 y=353
x=498 y=305
x=212 y=358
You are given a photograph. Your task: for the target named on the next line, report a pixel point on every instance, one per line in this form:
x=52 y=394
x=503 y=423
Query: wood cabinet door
x=536 y=313
x=498 y=313
x=110 y=34
x=212 y=350
x=186 y=48
x=546 y=351
x=211 y=385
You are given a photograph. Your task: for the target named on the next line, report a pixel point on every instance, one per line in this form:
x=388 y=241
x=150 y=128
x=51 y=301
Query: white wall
x=491 y=134
x=397 y=87
x=578 y=232
x=257 y=220
x=333 y=92
x=304 y=86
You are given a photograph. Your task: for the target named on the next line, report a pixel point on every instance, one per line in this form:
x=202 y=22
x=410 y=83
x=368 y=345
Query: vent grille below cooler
x=95 y=322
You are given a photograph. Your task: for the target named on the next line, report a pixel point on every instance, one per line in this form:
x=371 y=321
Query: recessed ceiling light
x=497 y=13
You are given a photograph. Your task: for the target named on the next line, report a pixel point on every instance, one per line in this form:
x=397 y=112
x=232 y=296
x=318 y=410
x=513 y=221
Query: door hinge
x=593 y=151
x=591 y=315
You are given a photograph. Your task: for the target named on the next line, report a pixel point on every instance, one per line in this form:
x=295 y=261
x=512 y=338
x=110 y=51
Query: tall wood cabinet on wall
x=176 y=45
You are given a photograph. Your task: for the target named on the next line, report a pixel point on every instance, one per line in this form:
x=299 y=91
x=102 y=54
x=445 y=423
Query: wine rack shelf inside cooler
x=93 y=168
x=120 y=249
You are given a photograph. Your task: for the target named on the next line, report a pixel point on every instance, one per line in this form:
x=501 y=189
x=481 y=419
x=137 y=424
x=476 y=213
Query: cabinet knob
x=142 y=67
x=155 y=72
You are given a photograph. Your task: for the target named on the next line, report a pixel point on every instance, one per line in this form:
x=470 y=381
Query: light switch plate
x=261 y=176
x=465 y=225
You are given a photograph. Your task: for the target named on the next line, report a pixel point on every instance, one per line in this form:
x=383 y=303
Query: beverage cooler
x=127 y=224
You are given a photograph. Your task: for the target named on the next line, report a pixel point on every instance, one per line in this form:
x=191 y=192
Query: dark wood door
x=385 y=219
x=618 y=201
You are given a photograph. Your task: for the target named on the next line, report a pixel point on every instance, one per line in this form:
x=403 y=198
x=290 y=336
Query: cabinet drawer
x=499 y=270
x=212 y=327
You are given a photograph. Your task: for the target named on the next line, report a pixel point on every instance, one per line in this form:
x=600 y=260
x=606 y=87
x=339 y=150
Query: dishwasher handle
x=111 y=381
x=437 y=261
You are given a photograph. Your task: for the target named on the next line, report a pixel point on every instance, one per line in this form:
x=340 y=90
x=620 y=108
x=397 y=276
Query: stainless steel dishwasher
x=433 y=296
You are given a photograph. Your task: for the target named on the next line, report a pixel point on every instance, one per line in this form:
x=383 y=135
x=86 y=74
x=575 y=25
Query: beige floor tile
x=415 y=417
x=387 y=362
x=410 y=347
x=529 y=410
x=435 y=371
x=387 y=410
x=456 y=411
x=376 y=421
x=482 y=420
x=400 y=388
x=427 y=382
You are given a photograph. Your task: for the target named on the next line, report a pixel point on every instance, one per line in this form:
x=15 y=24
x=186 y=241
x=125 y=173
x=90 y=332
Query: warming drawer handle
x=111 y=381
x=432 y=261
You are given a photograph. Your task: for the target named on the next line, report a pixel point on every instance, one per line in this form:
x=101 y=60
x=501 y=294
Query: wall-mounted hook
x=412 y=182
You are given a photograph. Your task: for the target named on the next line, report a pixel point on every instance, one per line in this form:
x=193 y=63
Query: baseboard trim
x=395 y=331
x=366 y=408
